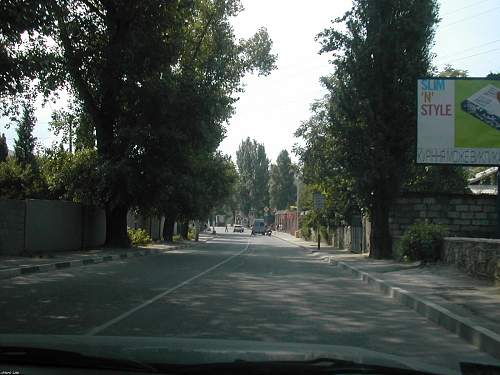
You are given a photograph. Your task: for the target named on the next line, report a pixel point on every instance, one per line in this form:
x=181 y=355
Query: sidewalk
x=450 y=298
x=11 y=266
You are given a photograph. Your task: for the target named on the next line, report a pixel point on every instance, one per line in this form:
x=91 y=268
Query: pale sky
x=271 y=108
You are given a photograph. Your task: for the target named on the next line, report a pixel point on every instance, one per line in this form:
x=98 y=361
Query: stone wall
x=464 y=215
x=478 y=257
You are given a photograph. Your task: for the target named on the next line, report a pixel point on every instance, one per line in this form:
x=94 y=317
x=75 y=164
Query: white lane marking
x=102 y=327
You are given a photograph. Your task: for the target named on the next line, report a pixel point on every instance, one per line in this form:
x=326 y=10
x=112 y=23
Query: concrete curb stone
x=482 y=338
x=18 y=271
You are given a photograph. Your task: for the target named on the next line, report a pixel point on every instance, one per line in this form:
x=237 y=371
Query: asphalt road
x=233 y=287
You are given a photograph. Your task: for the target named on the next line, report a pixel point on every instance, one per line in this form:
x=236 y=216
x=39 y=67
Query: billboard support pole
x=498 y=204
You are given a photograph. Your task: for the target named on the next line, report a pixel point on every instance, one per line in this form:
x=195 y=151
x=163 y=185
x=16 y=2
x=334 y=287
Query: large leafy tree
x=253 y=169
x=320 y=168
x=282 y=190
x=207 y=79
x=156 y=80
x=197 y=191
x=378 y=54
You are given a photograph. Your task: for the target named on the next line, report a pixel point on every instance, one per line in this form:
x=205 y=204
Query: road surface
x=235 y=287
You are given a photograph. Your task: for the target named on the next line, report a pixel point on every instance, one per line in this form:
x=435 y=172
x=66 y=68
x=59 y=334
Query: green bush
x=325 y=235
x=305 y=232
x=191 y=233
x=176 y=237
x=422 y=241
x=139 y=237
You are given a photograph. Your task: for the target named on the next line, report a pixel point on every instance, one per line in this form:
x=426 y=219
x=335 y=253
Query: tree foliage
x=21 y=181
x=4 y=150
x=24 y=146
x=156 y=80
x=282 y=189
x=72 y=176
x=378 y=56
x=74 y=127
x=253 y=169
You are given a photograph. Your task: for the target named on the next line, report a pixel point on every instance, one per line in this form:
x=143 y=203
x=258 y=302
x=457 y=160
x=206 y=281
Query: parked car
x=238 y=228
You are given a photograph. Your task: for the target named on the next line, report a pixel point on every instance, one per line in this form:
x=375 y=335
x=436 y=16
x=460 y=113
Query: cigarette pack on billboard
x=485 y=105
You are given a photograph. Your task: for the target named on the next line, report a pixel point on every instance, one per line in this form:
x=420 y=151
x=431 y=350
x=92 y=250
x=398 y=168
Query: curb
x=482 y=338
x=19 y=271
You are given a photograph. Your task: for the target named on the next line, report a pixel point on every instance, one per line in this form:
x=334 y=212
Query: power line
x=468 y=18
x=477 y=54
x=465 y=7
x=471 y=48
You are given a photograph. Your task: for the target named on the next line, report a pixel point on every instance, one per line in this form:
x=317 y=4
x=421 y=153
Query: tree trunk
x=380 y=236
x=116 y=227
x=168 y=228
x=185 y=229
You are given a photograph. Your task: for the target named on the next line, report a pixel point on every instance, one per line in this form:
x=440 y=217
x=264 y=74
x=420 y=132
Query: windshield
x=212 y=180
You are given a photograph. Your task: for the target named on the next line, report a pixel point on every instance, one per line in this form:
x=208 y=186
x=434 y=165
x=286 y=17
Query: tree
x=282 y=190
x=151 y=76
x=71 y=176
x=18 y=181
x=24 y=145
x=253 y=169
x=197 y=192
x=450 y=71
x=321 y=170
x=4 y=150
x=378 y=57
x=74 y=127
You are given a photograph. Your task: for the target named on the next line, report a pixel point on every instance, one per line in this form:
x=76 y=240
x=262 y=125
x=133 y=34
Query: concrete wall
x=38 y=226
x=478 y=257
x=464 y=215
x=53 y=226
x=12 y=215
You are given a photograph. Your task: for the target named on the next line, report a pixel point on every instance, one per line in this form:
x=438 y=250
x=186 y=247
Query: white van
x=259 y=226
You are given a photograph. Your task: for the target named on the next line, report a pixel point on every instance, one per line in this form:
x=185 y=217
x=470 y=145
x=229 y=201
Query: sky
x=272 y=107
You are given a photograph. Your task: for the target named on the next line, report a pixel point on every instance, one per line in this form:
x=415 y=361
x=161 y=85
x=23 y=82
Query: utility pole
x=298 y=199
x=319 y=204
x=70 y=137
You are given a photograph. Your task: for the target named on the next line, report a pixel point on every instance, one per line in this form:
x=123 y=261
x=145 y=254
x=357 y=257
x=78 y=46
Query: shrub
x=306 y=233
x=139 y=237
x=422 y=241
x=191 y=233
x=325 y=235
x=176 y=237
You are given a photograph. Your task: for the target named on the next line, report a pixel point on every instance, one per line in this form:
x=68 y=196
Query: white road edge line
x=102 y=327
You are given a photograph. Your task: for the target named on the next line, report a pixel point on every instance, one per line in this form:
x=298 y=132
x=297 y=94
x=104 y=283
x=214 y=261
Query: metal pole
x=319 y=238
x=498 y=204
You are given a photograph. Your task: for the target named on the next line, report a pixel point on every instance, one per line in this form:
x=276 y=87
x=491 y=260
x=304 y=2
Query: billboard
x=458 y=121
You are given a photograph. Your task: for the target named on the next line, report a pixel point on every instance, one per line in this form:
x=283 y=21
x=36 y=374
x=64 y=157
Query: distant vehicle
x=238 y=228
x=259 y=227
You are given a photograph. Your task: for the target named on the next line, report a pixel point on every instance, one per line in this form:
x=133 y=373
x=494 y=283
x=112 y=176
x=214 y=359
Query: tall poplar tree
x=253 y=169
x=24 y=145
x=379 y=49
